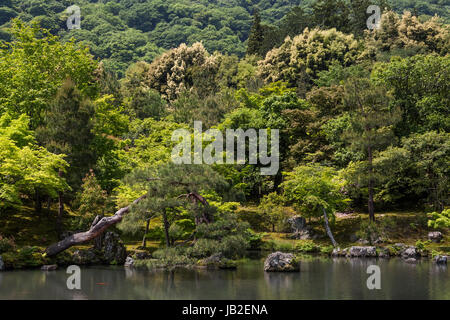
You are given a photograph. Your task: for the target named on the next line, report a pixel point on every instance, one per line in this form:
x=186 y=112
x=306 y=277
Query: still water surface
x=319 y=278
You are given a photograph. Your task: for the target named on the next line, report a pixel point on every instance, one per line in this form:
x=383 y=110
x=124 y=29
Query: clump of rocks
x=281 y=262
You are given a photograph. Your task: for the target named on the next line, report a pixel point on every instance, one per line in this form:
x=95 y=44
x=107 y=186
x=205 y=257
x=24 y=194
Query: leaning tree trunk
x=327 y=227
x=96 y=230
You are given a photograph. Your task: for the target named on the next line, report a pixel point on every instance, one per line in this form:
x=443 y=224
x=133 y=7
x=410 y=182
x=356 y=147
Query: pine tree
x=68 y=131
x=171 y=187
x=256 y=37
x=371 y=127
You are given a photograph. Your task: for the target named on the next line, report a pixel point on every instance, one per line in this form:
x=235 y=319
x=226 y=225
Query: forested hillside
x=86 y=127
x=125 y=31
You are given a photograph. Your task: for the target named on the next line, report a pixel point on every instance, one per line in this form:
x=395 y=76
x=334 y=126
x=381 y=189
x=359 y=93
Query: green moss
x=26 y=257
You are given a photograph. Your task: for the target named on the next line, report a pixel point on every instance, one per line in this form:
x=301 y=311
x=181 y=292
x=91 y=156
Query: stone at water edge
x=281 y=262
x=362 y=251
x=113 y=248
x=435 y=236
x=410 y=252
x=2 y=264
x=129 y=262
x=49 y=267
x=440 y=259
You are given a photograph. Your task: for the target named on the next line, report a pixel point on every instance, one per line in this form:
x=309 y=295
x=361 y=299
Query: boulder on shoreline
x=410 y=252
x=440 y=259
x=112 y=252
x=2 y=264
x=281 y=262
x=129 y=262
x=362 y=251
x=435 y=236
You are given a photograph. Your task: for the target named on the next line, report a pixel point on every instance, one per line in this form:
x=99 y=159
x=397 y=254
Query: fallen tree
x=97 y=228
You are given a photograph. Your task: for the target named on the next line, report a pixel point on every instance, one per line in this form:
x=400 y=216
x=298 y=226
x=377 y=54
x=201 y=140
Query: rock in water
x=2 y=264
x=114 y=250
x=435 y=236
x=281 y=262
x=440 y=259
x=129 y=262
x=49 y=267
x=410 y=252
x=362 y=251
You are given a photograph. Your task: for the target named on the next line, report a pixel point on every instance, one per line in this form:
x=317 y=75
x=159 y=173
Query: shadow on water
x=319 y=278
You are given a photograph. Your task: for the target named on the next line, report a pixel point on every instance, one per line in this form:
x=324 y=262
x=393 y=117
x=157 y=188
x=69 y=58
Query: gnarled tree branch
x=97 y=228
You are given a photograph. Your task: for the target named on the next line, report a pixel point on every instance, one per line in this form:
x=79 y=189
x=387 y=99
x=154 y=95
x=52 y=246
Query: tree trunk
x=95 y=231
x=144 y=239
x=60 y=209
x=370 y=186
x=327 y=227
x=38 y=202
x=166 y=228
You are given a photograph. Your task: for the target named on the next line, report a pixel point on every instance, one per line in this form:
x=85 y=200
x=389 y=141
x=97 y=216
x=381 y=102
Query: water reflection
x=319 y=278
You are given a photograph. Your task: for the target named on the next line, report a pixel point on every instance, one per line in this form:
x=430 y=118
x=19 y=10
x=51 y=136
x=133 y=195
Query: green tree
x=272 y=206
x=170 y=187
x=35 y=65
x=370 y=129
x=25 y=168
x=316 y=191
x=68 y=130
x=91 y=200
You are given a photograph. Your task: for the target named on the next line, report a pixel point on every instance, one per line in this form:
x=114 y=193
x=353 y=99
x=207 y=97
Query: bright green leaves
x=24 y=167
x=439 y=220
x=33 y=67
x=311 y=188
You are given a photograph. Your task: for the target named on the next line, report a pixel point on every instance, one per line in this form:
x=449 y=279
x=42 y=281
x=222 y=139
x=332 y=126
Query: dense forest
x=87 y=118
x=122 y=32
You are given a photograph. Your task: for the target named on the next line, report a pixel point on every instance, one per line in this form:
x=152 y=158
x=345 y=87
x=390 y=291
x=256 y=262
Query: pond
x=319 y=278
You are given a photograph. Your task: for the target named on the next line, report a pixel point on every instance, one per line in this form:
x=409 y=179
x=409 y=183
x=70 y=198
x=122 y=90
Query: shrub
x=421 y=245
x=234 y=246
x=326 y=249
x=6 y=244
x=439 y=220
x=203 y=248
x=255 y=240
x=369 y=231
x=306 y=246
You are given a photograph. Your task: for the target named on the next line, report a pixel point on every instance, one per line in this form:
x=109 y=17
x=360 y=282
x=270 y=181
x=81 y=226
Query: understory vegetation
x=87 y=118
